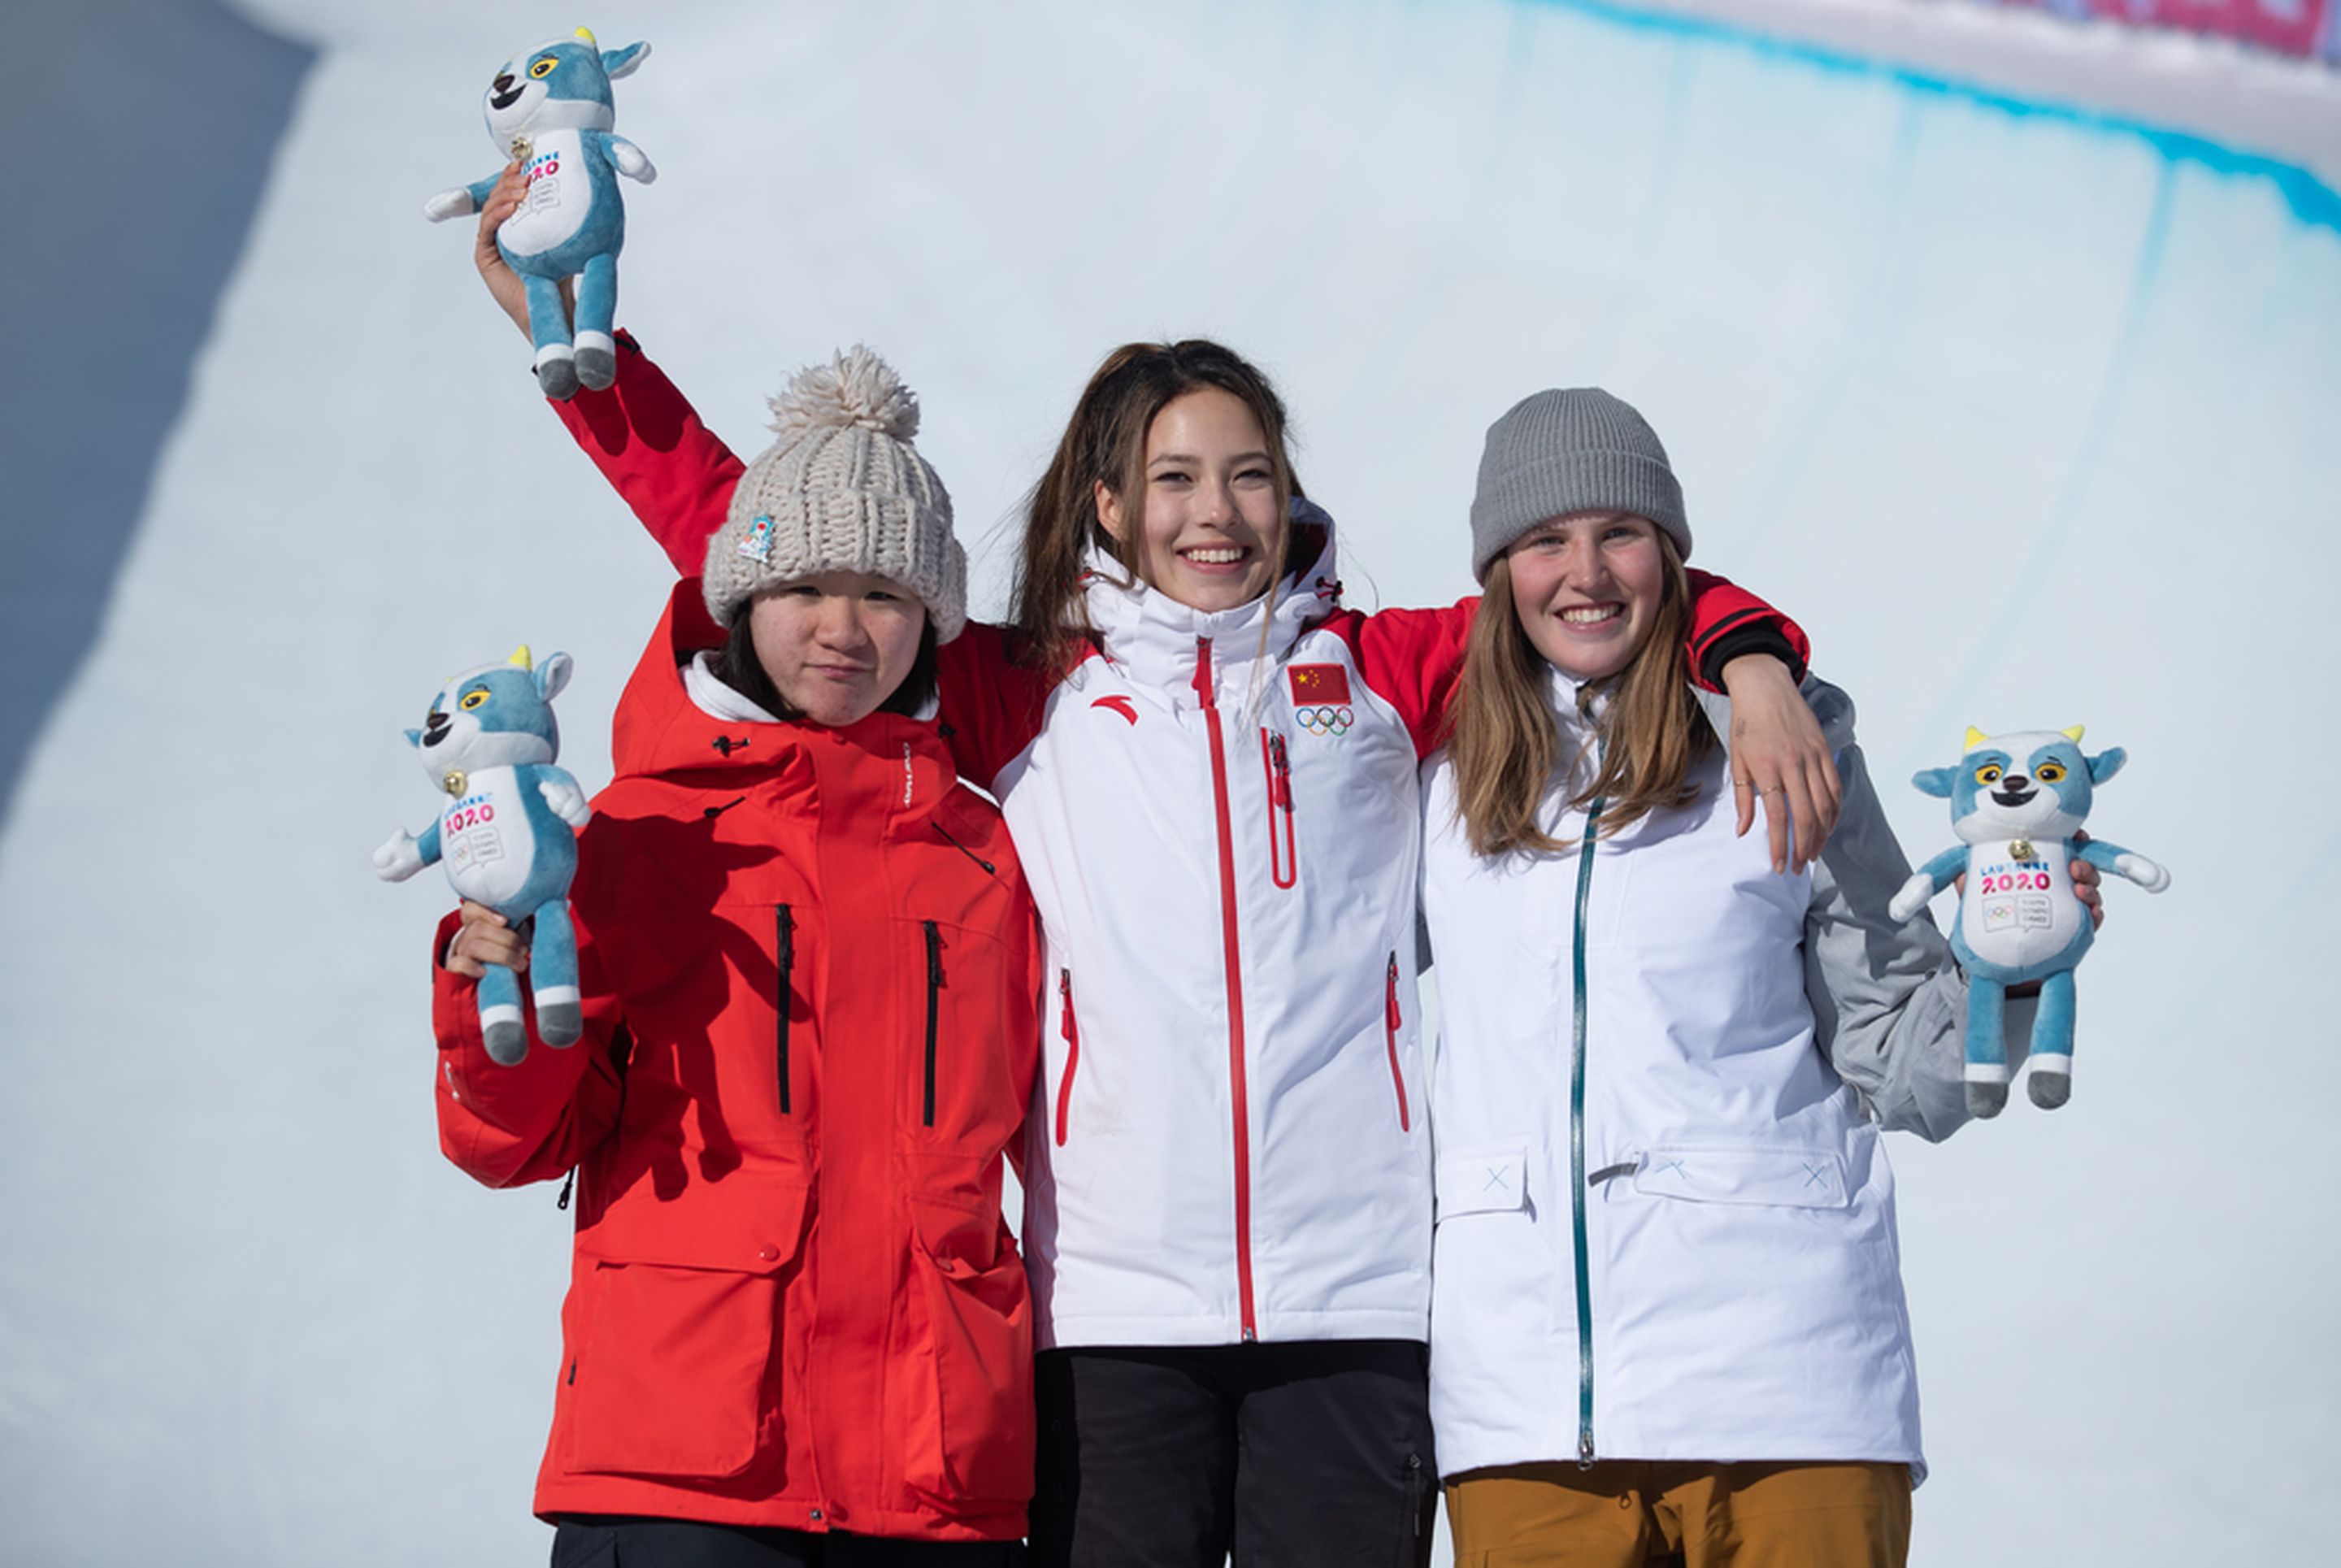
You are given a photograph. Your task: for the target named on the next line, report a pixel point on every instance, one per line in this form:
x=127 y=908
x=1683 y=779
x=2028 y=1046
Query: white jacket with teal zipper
x=1665 y=1217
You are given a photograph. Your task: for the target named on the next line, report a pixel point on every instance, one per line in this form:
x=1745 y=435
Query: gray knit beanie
x=1573 y=449
x=843 y=490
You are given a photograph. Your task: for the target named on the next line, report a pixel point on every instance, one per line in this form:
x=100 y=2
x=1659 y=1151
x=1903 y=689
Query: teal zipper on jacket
x=1577 y=1143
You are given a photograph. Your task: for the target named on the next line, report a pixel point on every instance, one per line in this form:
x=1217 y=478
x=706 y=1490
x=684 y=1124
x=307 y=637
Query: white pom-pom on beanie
x=843 y=490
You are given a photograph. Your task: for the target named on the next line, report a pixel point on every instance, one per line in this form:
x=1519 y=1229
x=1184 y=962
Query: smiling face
x=1586 y=589
x=1208 y=528
x=836 y=644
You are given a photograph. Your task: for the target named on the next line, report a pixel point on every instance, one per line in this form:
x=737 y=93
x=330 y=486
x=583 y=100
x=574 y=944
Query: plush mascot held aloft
x=551 y=111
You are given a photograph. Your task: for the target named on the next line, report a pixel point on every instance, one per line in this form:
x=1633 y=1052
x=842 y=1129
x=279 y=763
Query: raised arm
x=643 y=434
x=651 y=445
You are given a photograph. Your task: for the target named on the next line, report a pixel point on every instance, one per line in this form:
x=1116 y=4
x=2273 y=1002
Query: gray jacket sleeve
x=1889 y=1004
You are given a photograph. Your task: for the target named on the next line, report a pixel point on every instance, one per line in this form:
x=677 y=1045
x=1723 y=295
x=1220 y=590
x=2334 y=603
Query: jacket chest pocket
x=672 y=1338
x=933 y=947
x=1547 y=908
x=1283 y=841
x=972 y=1037
x=1393 y=1020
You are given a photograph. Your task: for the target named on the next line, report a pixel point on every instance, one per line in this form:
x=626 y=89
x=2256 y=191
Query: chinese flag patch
x=1317 y=683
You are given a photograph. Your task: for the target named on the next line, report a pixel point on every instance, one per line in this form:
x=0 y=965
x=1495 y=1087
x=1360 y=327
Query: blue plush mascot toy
x=508 y=835
x=2016 y=800
x=550 y=109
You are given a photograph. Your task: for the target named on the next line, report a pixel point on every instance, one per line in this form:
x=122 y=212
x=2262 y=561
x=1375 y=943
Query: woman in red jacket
x=797 y=1327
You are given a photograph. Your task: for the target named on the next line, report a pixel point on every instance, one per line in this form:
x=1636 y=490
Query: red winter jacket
x=793 y=1300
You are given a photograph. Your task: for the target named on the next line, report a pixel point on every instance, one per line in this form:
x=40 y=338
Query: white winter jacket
x=1219 y=820
x=1665 y=1217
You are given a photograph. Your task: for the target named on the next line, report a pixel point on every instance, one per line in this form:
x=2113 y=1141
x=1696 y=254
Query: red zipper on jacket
x=1073 y=1054
x=1233 y=958
x=1390 y=1022
x=1284 y=870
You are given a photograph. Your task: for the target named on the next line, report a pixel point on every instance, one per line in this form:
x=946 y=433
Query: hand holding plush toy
x=508 y=835
x=2016 y=800
x=551 y=110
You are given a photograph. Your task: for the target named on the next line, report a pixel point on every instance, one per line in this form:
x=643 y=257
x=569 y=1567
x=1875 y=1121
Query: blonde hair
x=1505 y=742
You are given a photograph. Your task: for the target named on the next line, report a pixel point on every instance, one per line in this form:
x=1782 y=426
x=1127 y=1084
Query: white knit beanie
x=843 y=490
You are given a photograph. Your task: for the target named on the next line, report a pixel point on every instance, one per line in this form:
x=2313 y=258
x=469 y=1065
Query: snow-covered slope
x=2030 y=419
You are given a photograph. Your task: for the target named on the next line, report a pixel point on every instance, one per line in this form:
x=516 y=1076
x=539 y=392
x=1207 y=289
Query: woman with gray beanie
x=1667 y=1306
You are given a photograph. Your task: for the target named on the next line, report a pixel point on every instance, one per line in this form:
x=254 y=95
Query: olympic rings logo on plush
x=1325 y=720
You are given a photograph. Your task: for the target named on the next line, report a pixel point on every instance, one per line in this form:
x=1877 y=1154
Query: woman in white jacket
x=1667 y=1303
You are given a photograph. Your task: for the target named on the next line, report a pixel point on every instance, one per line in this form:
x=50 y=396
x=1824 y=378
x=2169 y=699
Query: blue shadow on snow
x=148 y=129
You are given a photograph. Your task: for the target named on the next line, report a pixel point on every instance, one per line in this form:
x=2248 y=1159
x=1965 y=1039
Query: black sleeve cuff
x=1757 y=637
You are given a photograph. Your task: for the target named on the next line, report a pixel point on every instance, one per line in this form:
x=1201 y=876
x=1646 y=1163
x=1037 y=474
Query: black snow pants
x=595 y=1542
x=1280 y=1455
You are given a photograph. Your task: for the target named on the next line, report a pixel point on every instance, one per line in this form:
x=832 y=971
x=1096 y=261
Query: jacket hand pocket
x=1481 y=1181
x=970 y=1431
x=1782 y=1177
x=674 y=1342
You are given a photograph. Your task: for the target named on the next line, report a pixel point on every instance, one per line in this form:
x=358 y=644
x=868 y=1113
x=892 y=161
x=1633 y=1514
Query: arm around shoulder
x=1413 y=660
x=1728 y=621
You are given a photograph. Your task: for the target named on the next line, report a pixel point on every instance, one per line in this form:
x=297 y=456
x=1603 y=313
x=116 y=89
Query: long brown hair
x=1105 y=442
x=1506 y=744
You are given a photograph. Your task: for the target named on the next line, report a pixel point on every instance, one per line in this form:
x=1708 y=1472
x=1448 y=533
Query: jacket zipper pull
x=988 y=869
x=568 y=1183
x=1071 y=1033
x=1391 y=1023
x=1284 y=851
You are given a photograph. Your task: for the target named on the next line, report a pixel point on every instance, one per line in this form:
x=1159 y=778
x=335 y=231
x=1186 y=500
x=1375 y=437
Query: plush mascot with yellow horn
x=2017 y=801
x=550 y=109
x=508 y=835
